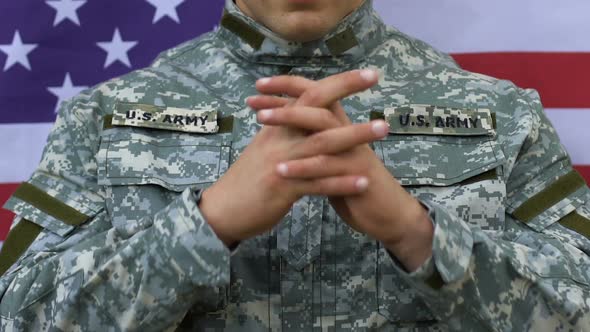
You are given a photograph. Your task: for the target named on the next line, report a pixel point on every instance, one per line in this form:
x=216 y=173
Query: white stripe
x=572 y=126
x=19 y=158
x=21 y=146
x=467 y=26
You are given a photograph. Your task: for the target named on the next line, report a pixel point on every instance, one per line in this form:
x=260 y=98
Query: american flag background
x=52 y=49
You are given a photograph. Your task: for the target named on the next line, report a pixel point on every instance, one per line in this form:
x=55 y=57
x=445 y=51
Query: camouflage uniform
x=122 y=245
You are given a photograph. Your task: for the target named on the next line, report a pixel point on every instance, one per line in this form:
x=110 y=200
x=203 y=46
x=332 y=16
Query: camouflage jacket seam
x=418 y=49
x=197 y=43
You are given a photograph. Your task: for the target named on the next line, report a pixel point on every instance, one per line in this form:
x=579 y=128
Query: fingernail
x=380 y=128
x=248 y=99
x=283 y=169
x=264 y=81
x=264 y=114
x=362 y=184
x=369 y=75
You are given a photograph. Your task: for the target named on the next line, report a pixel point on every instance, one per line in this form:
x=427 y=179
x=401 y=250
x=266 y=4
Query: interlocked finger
x=306 y=118
x=261 y=102
x=315 y=167
x=334 y=186
x=334 y=88
x=337 y=140
x=323 y=93
x=292 y=86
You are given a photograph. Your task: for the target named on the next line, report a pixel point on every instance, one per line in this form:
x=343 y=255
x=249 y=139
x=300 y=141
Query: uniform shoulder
x=102 y=96
x=187 y=49
x=417 y=73
x=154 y=83
x=443 y=65
x=432 y=75
x=415 y=47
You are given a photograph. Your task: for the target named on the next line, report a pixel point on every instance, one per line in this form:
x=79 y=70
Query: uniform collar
x=355 y=37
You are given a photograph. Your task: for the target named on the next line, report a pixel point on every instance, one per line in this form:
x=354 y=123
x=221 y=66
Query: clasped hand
x=308 y=146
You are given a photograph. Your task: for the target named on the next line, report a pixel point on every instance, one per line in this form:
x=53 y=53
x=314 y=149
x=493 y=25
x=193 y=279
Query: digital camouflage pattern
x=145 y=259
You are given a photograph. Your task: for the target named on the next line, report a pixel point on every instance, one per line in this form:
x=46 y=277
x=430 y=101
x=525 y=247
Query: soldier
x=368 y=184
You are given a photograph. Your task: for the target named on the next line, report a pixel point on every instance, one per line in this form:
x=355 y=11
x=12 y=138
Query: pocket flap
x=174 y=163
x=438 y=161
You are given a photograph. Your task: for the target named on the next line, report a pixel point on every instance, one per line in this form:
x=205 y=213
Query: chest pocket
x=143 y=170
x=463 y=174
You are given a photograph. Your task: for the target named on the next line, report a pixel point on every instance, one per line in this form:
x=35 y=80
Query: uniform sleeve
x=80 y=273
x=534 y=276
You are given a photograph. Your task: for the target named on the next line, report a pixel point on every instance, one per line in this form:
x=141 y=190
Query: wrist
x=213 y=217
x=415 y=246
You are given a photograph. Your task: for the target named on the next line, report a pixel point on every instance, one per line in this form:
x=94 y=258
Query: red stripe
x=562 y=79
x=585 y=171
x=6 y=189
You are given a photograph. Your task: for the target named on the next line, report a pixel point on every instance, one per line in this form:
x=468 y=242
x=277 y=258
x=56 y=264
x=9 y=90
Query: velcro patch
x=166 y=118
x=439 y=120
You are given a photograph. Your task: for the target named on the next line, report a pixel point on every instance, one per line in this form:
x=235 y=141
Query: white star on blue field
x=51 y=50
